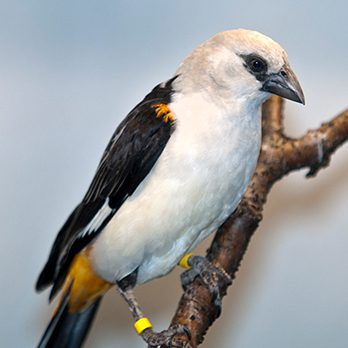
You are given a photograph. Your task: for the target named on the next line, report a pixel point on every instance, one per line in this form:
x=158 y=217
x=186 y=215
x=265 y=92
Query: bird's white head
x=241 y=65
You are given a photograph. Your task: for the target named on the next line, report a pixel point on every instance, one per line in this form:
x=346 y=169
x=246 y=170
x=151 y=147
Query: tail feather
x=68 y=330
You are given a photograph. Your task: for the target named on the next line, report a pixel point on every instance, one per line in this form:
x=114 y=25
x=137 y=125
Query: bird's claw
x=169 y=338
x=212 y=277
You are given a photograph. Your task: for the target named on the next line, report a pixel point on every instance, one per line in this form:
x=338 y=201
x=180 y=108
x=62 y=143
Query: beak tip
x=301 y=99
x=301 y=96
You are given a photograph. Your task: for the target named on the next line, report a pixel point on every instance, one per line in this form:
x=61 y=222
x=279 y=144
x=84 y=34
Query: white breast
x=195 y=184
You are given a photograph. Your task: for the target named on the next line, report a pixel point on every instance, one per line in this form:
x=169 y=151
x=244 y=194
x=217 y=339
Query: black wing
x=131 y=153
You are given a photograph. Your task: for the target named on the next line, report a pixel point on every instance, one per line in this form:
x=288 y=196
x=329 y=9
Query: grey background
x=71 y=70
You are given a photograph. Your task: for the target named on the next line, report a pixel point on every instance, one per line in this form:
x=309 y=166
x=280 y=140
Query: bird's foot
x=212 y=277
x=169 y=338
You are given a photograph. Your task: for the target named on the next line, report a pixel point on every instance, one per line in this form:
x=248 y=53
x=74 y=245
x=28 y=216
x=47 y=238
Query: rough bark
x=279 y=156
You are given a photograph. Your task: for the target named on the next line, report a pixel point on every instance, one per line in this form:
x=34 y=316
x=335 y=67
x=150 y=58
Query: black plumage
x=68 y=330
x=128 y=158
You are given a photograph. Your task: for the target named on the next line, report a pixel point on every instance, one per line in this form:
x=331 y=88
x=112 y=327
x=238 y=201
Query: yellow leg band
x=141 y=325
x=184 y=261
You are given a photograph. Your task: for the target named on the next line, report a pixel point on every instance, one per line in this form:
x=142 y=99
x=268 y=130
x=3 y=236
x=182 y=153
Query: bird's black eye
x=256 y=65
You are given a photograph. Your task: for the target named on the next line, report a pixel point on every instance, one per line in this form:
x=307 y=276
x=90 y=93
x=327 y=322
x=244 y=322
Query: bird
x=175 y=168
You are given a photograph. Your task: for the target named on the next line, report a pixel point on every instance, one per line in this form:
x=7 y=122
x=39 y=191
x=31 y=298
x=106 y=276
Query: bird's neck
x=231 y=102
x=200 y=113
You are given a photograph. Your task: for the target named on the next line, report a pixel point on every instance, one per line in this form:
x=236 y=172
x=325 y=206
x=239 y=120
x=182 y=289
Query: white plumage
x=196 y=183
x=205 y=167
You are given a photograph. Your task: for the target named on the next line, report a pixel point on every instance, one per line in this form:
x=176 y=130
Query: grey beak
x=285 y=84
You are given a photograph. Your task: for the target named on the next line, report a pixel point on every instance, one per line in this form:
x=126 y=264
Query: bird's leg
x=212 y=276
x=143 y=326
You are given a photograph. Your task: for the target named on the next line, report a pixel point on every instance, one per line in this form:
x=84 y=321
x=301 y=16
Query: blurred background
x=71 y=70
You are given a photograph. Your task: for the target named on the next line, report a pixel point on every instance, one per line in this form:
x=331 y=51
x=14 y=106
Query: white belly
x=196 y=183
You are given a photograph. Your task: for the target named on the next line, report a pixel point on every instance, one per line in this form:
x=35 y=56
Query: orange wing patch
x=86 y=285
x=162 y=110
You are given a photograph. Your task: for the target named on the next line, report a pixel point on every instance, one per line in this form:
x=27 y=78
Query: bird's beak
x=285 y=84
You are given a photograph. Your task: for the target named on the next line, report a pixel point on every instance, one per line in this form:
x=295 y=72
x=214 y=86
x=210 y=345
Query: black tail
x=68 y=330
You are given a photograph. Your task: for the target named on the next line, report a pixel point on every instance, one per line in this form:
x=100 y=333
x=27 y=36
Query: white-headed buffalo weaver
x=174 y=170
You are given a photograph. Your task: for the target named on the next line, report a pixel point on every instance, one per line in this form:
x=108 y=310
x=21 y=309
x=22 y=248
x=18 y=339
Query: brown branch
x=279 y=156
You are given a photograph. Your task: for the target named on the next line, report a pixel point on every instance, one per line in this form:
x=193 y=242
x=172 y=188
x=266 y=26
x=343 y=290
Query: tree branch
x=279 y=156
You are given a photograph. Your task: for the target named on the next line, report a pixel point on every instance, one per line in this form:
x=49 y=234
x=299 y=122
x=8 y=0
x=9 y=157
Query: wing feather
x=130 y=155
